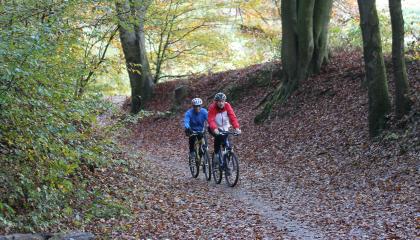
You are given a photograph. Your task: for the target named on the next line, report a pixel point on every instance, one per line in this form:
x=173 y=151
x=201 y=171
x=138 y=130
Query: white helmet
x=197 y=102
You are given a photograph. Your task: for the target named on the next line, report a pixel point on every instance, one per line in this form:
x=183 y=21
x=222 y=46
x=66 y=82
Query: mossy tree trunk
x=322 y=14
x=379 y=104
x=148 y=83
x=304 y=46
x=402 y=103
x=131 y=29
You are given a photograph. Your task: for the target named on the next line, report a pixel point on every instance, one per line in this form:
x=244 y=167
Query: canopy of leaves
x=46 y=134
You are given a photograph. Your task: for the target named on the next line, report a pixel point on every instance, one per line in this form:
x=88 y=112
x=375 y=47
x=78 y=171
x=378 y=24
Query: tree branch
x=178 y=53
x=187 y=33
x=84 y=82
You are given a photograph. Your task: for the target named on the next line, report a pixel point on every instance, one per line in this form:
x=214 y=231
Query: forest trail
x=184 y=207
x=273 y=223
x=310 y=172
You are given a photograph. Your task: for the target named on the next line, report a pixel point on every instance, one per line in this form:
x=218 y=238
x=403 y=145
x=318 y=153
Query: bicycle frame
x=226 y=162
x=225 y=148
x=199 y=144
x=201 y=155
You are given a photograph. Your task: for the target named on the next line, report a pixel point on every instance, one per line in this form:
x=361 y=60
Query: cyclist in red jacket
x=221 y=117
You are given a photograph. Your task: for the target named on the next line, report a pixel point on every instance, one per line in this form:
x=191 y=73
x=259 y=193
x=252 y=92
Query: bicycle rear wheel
x=207 y=166
x=216 y=169
x=232 y=165
x=194 y=166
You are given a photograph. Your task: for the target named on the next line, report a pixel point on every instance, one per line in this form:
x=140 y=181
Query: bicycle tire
x=232 y=164
x=217 y=170
x=194 y=166
x=206 y=165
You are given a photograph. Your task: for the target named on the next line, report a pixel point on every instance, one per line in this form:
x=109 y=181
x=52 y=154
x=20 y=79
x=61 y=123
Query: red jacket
x=222 y=118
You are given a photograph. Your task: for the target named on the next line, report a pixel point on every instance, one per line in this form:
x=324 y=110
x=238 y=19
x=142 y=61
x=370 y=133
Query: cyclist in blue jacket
x=194 y=121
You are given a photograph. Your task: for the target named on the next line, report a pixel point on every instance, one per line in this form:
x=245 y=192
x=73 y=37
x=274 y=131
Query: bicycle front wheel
x=194 y=166
x=207 y=166
x=216 y=169
x=232 y=166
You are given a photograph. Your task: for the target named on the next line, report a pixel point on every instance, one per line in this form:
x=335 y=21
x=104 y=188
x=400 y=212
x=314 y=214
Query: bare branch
x=174 y=76
x=85 y=81
x=178 y=53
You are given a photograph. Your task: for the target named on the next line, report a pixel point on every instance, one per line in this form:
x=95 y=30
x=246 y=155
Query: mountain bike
x=227 y=162
x=201 y=156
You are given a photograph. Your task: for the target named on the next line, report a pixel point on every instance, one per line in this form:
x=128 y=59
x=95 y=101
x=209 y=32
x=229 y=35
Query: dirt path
x=303 y=194
x=181 y=206
x=273 y=222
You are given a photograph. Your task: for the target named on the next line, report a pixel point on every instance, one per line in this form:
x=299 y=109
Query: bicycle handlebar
x=196 y=133
x=228 y=133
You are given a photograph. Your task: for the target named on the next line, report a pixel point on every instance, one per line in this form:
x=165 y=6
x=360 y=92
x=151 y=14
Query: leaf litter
x=308 y=172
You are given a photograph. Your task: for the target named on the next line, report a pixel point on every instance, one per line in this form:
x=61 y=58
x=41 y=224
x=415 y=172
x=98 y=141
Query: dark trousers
x=193 y=139
x=221 y=140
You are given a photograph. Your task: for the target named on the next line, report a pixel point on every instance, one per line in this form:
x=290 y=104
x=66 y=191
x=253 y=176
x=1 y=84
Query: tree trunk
x=402 y=103
x=132 y=41
x=304 y=46
x=379 y=104
x=130 y=46
x=305 y=38
x=321 y=21
x=147 y=84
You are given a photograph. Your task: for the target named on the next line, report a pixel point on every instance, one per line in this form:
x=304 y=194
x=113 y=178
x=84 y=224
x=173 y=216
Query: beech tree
x=131 y=15
x=303 y=46
x=402 y=103
x=379 y=104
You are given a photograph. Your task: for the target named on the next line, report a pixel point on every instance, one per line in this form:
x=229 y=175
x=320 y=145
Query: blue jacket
x=195 y=121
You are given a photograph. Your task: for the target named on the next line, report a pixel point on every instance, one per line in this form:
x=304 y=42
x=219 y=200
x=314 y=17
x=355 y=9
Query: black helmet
x=220 y=96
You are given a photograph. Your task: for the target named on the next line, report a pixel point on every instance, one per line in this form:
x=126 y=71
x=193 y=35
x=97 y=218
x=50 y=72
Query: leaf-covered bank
x=313 y=159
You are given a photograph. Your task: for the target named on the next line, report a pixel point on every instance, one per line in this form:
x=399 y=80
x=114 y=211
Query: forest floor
x=309 y=172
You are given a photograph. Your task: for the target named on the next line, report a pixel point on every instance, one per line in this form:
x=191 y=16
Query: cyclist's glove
x=188 y=132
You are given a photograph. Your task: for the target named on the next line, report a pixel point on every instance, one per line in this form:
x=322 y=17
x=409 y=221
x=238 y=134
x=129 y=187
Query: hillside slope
x=313 y=158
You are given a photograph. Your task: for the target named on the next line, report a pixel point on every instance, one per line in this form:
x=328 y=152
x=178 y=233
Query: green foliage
x=259 y=27
x=107 y=209
x=347 y=34
x=46 y=135
x=391 y=136
x=177 y=33
x=113 y=82
x=187 y=37
x=386 y=31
